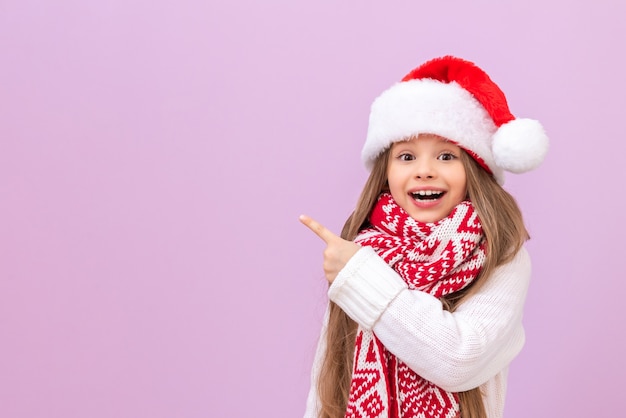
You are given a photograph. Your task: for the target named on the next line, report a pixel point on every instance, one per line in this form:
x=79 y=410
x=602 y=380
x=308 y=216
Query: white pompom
x=520 y=145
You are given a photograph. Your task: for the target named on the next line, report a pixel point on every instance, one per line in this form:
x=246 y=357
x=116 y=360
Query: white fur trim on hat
x=425 y=106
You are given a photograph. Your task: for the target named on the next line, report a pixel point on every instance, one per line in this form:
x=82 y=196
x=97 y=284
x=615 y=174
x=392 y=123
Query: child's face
x=426 y=177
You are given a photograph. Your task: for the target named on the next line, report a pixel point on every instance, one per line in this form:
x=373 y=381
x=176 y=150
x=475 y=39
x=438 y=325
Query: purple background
x=155 y=155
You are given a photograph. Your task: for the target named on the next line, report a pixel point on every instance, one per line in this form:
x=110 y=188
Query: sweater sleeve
x=456 y=351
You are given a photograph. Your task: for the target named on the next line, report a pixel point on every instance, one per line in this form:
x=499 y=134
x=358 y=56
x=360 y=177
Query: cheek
x=394 y=181
x=395 y=190
x=396 y=174
x=396 y=193
x=461 y=187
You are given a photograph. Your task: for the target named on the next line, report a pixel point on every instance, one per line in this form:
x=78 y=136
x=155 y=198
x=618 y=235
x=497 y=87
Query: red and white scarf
x=438 y=258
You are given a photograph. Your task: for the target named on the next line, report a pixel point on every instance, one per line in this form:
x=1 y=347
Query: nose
x=424 y=169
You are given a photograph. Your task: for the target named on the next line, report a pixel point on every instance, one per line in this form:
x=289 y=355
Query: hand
x=338 y=250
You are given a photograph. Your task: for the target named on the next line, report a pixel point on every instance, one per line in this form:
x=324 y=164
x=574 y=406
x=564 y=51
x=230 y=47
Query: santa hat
x=455 y=99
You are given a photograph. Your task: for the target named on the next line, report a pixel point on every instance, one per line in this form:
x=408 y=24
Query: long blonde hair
x=505 y=234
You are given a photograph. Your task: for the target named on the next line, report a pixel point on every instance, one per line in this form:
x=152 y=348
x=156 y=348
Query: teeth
x=427 y=194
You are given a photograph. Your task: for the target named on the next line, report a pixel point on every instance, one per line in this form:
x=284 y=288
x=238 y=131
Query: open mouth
x=427 y=194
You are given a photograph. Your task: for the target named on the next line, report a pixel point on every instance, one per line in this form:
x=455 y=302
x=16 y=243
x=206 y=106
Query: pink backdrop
x=155 y=155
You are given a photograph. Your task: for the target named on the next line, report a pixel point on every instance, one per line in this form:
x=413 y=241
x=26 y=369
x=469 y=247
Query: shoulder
x=516 y=270
x=519 y=266
x=522 y=255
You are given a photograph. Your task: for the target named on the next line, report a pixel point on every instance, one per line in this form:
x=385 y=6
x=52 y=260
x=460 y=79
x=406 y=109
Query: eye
x=446 y=156
x=405 y=156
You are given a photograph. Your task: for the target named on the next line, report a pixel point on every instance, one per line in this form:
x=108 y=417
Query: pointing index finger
x=320 y=230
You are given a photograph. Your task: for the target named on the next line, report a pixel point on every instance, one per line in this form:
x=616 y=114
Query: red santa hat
x=455 y=99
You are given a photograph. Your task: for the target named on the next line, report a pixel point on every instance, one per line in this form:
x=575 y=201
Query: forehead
x=426 y=138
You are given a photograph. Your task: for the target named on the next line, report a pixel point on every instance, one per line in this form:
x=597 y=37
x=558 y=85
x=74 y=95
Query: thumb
x=320 y=230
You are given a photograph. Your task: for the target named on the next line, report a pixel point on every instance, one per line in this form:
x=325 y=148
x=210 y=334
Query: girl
x=426 y=304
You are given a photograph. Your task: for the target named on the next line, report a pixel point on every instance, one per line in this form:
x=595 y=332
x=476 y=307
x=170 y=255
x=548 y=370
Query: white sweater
x=457 y=351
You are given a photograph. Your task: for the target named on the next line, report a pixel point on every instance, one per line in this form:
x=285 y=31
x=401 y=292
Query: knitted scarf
x=438 y=258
